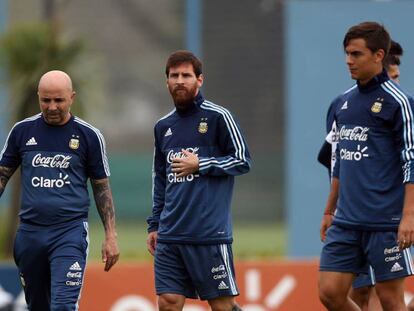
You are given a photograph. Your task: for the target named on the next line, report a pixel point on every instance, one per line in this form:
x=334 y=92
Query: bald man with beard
x=57 y=153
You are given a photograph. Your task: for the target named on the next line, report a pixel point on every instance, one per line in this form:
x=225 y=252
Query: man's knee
x=170 y=302
x=224 y=304
x=391 y=294
x=360 y=295
x=330 y=296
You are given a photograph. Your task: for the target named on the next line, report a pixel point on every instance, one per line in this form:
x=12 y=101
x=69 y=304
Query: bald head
x=55 y=97
x=55 y=79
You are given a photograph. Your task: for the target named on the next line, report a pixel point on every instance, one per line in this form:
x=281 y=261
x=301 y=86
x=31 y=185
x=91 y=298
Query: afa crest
x=203 y=127
x=74 y=143
x=376 y=107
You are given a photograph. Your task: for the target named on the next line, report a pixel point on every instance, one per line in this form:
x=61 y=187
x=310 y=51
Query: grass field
x=251 y=241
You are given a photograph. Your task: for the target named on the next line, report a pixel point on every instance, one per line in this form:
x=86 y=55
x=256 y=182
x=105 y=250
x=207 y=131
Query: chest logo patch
x=74 y=143
x=376 y=107
x=203 y=127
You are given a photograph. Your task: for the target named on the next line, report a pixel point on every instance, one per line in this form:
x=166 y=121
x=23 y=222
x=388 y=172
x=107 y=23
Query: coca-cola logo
x=57 y=161
x=358 y=133
x=177 y=155
x=391 y=250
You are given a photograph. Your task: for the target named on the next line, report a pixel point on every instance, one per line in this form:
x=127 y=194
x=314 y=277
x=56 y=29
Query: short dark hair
x=181 y=57
x=394 y=55
x=375 y=35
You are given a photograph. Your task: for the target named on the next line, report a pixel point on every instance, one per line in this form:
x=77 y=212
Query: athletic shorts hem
x=334 y=269
x=382 y=278
x=177 y=292
x=217 y=295
x=362 y=285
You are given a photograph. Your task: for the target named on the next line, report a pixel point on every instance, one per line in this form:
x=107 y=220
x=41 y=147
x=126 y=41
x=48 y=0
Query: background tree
x=27 y=52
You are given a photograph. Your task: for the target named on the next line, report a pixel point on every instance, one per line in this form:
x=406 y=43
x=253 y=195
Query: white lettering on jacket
x=177 y=155
x=358 y=133
x=57 y=161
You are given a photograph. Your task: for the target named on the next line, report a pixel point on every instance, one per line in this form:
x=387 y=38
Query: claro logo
x=42 y=182
x=351 y=155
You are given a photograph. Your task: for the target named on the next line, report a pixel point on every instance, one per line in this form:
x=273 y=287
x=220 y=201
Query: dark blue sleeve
x=9 y=156
x=158 y=185
x=236 y=157
x=330 y=116
x=325 y=155
x=97 y=165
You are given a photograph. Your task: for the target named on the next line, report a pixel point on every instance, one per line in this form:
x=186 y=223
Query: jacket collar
x=193 y=107
x=374 y=82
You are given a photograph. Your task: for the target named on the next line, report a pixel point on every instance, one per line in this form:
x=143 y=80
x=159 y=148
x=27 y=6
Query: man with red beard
x=199 y=148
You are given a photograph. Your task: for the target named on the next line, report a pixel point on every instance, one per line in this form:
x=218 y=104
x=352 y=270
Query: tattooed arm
x=5 y=174
x=105 y=205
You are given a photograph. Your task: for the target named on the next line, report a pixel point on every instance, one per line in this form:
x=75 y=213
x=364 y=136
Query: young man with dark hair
x=362 y=291
x=373 y=223
x=393 y=60
x=199 y=148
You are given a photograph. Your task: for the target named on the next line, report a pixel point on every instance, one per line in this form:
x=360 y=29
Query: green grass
x=251 y=241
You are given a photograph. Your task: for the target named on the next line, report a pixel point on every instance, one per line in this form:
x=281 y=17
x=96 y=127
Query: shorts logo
x=74 y=275
x=218 y=269
x=392 y=250
x=396 y=267
x=222 y=285
x=74 y=283
x=220 y=276
x=75 y=267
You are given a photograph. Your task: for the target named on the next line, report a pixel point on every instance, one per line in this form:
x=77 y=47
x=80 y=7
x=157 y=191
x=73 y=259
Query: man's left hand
x=186 y=165
x=110 y=252
x=406 y=232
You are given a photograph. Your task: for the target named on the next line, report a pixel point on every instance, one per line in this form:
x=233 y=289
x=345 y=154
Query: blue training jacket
x=196 y=209
x=374 y=131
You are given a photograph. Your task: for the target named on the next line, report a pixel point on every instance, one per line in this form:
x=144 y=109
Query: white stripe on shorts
x=225 y=254
x=408 y=260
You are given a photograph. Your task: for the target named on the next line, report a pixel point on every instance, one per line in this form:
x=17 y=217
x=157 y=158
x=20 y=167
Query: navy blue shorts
x=364 y=279
x=347 y=250
x=204 y=271
x=51 y=261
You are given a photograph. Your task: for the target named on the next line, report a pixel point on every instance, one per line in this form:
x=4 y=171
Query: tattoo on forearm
x=103 y=200
x=5 y=174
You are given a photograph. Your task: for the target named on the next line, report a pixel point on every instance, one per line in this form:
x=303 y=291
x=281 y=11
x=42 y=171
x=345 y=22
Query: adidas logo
x=222 y=285
x=168 y=132
x=75 y=267
x=396 y=267
x=345 y=105
x=31 y=142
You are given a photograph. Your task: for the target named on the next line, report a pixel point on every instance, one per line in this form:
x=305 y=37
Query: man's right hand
x=325 y=224
x=152 y=242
